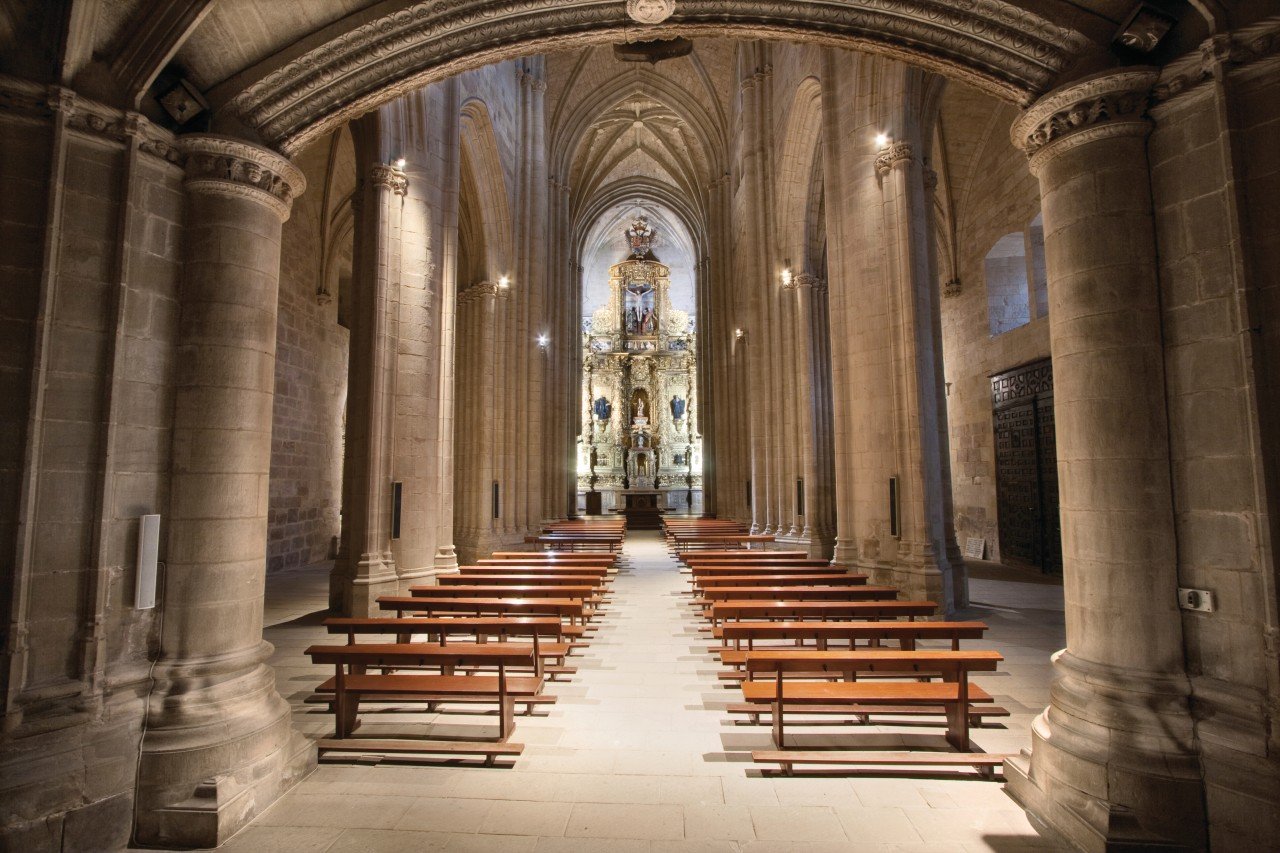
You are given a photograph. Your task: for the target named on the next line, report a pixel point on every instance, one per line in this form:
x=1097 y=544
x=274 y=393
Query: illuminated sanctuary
x=640 y=419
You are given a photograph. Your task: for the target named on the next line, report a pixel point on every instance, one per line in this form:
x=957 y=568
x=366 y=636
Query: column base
x=363 y=592
x=1109 y=774
x=220 y=749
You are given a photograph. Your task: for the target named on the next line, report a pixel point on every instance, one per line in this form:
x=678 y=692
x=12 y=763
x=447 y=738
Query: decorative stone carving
x=1101 y=106
x=389 y=178
x=225 y=166
x=650 y=11
x=1248 y=45
x=1005 y=51
x=892 y=155
x=952 y=288
x=808 y=280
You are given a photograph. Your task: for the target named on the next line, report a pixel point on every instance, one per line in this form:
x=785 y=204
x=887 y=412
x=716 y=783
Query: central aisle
x=637 y=754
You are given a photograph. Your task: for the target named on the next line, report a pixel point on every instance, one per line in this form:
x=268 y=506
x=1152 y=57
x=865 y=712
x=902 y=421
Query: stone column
x=1113 y=759
x=920 y=564
x=371 y=570
x=219 y=747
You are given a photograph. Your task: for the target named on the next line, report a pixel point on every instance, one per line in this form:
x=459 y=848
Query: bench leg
x=778 y=736
x=507 y=715
x=350 y=708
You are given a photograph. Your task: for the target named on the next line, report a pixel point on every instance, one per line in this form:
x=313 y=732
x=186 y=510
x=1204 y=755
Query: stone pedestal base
x=1113 y=763
x=180 y=806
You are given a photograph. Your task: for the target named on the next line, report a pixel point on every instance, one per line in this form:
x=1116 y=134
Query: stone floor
x=637 y=754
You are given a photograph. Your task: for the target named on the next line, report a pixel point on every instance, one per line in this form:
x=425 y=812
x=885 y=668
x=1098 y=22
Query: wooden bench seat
x=953 y=692
x=834 y=577
x=352 y=682
x=573 y=609
x=984 y=763
x=822 y=610
x=711 y=595
x=821 y=634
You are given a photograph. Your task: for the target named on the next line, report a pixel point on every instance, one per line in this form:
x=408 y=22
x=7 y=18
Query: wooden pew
x=741 y=554
x=577 y=542
x=738 y=610
x=597 y=558
x=832 y=578
x=572 y=609
x=699 y=541
x=596 y=582
x=600 y=574
x=555 y=648
x=799 y=593
x=953 y=692
x=351 y=683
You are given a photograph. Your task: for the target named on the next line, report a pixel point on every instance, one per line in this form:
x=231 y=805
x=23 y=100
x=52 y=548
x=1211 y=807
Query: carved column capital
x=219 y=165
x=478 y=291
x=930 y=179
x=952 y=287
x=808 y=280
x=389 y=177
x=1098 y=108
x=899 y=153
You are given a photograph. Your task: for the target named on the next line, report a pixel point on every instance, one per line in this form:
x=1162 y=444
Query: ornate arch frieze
x=993 y=45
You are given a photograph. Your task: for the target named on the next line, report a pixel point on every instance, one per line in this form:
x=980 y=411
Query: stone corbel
x=951 y=288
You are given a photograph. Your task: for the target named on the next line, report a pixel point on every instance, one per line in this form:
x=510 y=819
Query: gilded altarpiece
x=640 y=420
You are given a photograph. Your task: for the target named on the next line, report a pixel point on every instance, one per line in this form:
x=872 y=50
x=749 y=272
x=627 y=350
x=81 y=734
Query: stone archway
x=998 y=47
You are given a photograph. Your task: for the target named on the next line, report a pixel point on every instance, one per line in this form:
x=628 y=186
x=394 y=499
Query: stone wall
x=87 y=370
x=993 y=194
x=1217 y=366
x=311 y=374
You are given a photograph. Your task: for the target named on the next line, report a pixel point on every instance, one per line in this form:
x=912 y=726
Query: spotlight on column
x=786 y=274
x=399 y=163
x=738 y=334
x=882 y=139
x=504 y=282
x=544 y=341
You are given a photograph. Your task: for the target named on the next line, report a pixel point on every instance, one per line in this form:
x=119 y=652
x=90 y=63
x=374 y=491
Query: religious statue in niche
x=639 y=315
x=677 y=408
x=640 y=409
x=602 y=409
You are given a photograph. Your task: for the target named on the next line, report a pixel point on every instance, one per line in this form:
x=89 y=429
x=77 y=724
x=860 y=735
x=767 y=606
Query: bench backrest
x=873 y=660
x=424 y=654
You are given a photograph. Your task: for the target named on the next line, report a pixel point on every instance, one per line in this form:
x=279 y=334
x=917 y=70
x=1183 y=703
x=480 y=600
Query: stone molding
x=1218 y=53
x=893 y=155
x=1112 y=104
x=34 y=101
x=952 y=288
x=220 y=165
x=1005 y=51
x=389 y=178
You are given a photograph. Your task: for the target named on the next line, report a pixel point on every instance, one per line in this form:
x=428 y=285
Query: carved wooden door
x=1026 y=466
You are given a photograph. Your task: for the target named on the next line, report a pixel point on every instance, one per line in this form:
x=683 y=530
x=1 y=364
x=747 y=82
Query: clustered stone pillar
x=920 y=565
x=219 y=747
x=369 y=568
x=1113 y=758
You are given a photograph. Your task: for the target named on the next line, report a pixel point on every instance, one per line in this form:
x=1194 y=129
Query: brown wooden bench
x=953 y=693
x=863 y=592
x=566 y=608
x=550 y=645
x=834 y=577
x=723 y=611
x=352 y=683
x=710 y=540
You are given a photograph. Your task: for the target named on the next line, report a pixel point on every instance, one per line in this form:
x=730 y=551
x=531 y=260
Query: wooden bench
x=832 y=578
x=549 y=654
x=575 y=542
x=351 y=683
x=822 y=634
x=595 y=582
x=724 y=611
x=863 y=592
x=709 y=540
x=547 y=557
x=565 y=608
x=740 y=554
x=953 y=693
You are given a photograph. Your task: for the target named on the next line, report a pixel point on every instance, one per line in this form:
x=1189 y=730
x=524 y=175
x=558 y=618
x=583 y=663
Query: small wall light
x=786 y=273
x=399 y=163
x=544 y=341
x=882 y=139
x=738 y=334
x=504 y=282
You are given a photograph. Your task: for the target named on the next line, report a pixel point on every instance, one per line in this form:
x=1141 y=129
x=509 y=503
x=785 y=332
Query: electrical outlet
x=1196 y=599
